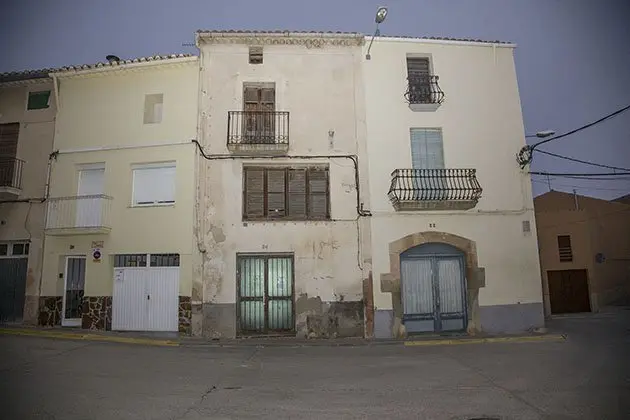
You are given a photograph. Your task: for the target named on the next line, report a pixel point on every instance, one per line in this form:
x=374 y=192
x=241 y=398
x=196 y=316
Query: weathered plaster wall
x=25 y=221
x=321 y=88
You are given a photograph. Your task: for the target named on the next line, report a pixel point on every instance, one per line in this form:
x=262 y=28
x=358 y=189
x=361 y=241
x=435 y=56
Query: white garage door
x=146 y=296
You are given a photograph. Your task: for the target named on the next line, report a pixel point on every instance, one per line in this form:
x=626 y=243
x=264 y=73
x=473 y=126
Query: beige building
x=119 y=238
x=283 y=241
x=453 y=241
x=584 y=252
x=27 y=121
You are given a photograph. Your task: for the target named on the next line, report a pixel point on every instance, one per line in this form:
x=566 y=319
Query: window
x=153 y=108
x=255 y=55
x=419 y=75
x=564 y=248
x=38 y=100
x=427 y=151
x=286 y=193
x=140 y=260
x=154 y=185
x=19 y=249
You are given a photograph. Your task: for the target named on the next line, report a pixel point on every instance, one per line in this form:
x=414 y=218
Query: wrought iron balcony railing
x=424 y=90
x=434 y=189
x=11 y=172
x=83 y=214
x=252 y=131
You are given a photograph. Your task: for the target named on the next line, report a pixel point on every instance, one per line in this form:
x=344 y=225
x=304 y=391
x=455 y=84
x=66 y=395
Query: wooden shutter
x=417 y=66
x=254 y=200
x=297 y=193
x=276 y=193
x=318 y=193
x=427 y=150
x=564 y=248
x=9 y=134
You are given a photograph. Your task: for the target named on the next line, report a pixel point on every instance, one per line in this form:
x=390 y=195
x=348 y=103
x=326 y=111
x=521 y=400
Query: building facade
x=282 y=238
x=453 y=241
x=27 y=123
x=584 y=252
x=119 y=222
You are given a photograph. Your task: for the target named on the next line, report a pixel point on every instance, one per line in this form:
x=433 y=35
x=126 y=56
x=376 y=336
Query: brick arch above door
x=390 y=282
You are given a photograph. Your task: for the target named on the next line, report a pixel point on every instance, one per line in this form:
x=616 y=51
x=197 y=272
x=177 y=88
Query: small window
x=153 y=108
x=564 y=248
x=38 y=100
x=20 y=249
x=255 y=55
x=286 y=193
x=4 y=249
x=526 y=226
x=154 y=185
x=130 y=260
x=164 y=260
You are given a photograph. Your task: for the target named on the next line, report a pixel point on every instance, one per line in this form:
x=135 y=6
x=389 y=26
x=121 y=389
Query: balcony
x=253 y=132
x=10 y=177
x=434 y=189
x=424 y=93
x=79 y=215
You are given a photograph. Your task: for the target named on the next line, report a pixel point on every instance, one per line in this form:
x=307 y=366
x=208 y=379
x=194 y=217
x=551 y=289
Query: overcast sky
x=573 y=56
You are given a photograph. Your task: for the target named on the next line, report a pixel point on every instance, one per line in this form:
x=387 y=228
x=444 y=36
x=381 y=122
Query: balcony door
x=259 y=103
x=89 y=201
x=427 y=157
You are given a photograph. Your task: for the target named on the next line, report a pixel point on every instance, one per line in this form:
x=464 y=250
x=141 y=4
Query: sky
x=572 y=60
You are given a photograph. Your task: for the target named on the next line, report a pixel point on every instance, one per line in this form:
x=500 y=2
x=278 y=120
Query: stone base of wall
x=510 y=319
x=97 y=313
x=219 y=320
x=185 y=315
x=31 y=310
x=317 y=319
x=50 y=308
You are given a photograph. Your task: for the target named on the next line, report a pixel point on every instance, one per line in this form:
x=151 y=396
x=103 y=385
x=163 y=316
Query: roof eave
x=497 y=44
x=65 y=73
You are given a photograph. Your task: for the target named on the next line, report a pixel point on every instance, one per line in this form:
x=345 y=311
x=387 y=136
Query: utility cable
x=581 y=175
x=524 y=156
x=601 y=165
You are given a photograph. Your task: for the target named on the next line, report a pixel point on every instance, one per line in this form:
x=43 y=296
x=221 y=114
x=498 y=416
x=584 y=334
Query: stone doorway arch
x=475 y=275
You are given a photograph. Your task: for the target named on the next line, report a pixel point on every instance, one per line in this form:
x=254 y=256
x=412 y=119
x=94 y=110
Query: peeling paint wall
x=321 y=88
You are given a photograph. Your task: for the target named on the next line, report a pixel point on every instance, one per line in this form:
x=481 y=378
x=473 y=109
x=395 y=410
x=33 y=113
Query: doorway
x=89 y=205
x=433 y=288
x=74 y=285
x=13 y=268
x=265 y=294
x=568 y=291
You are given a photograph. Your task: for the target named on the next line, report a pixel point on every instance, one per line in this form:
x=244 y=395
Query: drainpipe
x=575 y=197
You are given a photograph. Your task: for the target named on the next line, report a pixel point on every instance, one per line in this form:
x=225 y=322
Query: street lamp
x=381 y=14
x=543 y=134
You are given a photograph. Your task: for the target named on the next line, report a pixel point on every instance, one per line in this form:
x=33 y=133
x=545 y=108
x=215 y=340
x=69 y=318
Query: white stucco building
x=283 y=248
x=453 y=241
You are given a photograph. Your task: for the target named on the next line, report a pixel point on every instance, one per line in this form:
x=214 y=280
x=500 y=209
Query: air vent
x=255 y=55
x=526 y=226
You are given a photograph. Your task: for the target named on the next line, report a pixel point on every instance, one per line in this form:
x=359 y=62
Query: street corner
x=485 y=340
x=62 y=335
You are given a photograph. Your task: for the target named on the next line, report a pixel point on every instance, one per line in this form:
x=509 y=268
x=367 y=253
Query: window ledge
x=143 y=206
x=424 y=107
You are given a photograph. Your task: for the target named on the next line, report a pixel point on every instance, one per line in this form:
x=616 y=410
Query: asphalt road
x=585 y=377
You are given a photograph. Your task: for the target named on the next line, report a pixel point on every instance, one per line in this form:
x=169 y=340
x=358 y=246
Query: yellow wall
x=101 y=121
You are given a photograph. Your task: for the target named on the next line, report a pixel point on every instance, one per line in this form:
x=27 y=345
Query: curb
x=549 y=337
x=89 y=337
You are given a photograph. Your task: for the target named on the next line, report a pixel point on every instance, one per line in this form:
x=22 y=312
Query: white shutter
x=154 y=185
x=427 y=151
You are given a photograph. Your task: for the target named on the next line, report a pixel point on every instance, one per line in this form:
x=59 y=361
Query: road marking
x=549 y=337
x=88 y=337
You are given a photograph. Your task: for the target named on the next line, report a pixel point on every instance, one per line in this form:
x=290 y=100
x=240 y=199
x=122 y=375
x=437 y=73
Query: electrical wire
x=524 y=156
x=578 y=187
x=601 y=165
x=587 y=175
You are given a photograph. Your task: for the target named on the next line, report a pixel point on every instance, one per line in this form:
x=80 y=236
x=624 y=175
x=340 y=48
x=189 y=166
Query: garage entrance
x=146 y=292
x=433 y=288
x=568 y=291
x=13 y=267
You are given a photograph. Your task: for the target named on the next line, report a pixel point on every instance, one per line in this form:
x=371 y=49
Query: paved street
x=585 y=377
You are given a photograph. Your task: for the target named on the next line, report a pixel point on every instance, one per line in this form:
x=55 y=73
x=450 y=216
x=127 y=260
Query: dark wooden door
x=568 y=291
